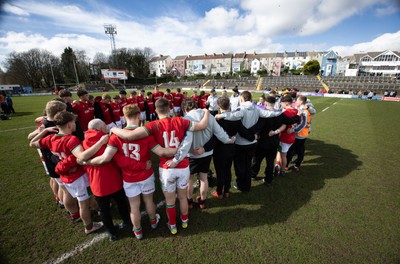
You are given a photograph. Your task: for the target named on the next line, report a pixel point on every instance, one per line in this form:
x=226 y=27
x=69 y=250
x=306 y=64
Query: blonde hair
x=131 y=111
x=106 y=96
x=54 y=107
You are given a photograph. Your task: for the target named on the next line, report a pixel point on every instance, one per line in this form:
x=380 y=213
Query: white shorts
x=284 y=147
x=177 y=109
x=133 y=189
x=111 y=125
x=122 y=119
x=172 y=178
x=79 y=189
x=143 y=115
x=58 y=180
x=118 y=123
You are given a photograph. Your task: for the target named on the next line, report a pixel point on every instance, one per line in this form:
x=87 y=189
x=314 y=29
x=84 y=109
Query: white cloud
x=219 y=19
x=15 y=10
x=388 y=41
x=243 y=25
x=20 y=42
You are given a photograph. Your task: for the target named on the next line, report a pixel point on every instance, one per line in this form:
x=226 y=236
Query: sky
x=195 y=27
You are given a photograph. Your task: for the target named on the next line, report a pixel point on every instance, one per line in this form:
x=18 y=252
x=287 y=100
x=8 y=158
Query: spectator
x=3 y=103
x=370 y=95
x=10 y=103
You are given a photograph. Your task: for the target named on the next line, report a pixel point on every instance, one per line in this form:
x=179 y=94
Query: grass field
x=342 y=207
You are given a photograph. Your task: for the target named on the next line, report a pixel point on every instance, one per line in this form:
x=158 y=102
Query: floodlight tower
x=111 y=31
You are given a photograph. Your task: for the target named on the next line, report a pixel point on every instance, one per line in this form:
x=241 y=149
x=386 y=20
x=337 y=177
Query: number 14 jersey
x=169 y=133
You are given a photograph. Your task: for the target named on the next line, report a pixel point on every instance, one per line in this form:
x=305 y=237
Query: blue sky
x=178 y=27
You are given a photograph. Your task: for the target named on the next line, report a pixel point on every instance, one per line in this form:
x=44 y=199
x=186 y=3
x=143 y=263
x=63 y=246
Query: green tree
x=67 y=61
x=244 y=73
x=295 y=72
x=285 y=70
x=311 y=67
x=262 y=72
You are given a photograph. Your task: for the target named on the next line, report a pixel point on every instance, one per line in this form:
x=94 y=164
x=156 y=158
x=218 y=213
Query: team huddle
x=187 y=133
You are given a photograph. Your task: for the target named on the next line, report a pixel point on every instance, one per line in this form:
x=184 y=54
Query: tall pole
x=76 y=73
x=111 y=31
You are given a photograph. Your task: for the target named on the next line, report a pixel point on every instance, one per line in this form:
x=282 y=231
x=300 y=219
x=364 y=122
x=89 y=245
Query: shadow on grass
x=275 y=204
x=21 y=114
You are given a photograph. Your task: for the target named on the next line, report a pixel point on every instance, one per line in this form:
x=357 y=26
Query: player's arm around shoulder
x=219 y=132
x=81 y=154
x=106 y=157
x=126 y=134
x=164 y=152
x=269 y=113
x=35 y=141
x=231 y=116
x=182 y=151
x=196 y=126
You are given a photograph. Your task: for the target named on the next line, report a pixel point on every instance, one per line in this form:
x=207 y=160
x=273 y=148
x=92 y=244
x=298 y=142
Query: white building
x=161 y=65
x=212 y=64
x=385 y=63
x=255 y=66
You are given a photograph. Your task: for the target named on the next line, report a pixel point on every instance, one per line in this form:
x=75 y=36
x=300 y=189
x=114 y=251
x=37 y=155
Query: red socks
x=171 y=213
x=184 y=217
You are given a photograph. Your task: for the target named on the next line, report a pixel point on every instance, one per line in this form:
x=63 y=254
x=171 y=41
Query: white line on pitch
x=325 y=109
x=83 y=246
x=15 y=129
x=79 y=248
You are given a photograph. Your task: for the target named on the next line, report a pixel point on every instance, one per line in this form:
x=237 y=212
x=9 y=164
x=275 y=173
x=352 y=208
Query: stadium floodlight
x=111 y=31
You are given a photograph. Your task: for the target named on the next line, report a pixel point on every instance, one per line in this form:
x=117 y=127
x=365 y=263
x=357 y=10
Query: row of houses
x=386 y=63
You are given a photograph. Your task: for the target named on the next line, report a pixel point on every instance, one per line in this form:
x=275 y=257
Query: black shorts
x=200 y=165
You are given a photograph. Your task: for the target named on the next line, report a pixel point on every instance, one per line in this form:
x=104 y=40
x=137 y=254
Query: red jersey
x=140 y=102
x=105 y=179
x=169 y=133
x=136 y=151
x=203 y=101
x=108 y=119
x=284 y=136
x=178 y=98
x=116 y=111
x=196 y=100
x=122 y=104
x=157 y=95
x=151 y=105
x=91 y=108
x=170 y=98
x=85 y=113
x=62 y=147
x=131 y=100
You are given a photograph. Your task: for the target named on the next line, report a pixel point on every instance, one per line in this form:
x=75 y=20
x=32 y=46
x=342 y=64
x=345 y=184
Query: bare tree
x=31 y=68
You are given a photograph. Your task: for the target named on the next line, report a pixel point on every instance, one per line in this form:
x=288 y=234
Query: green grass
x=342 y=207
